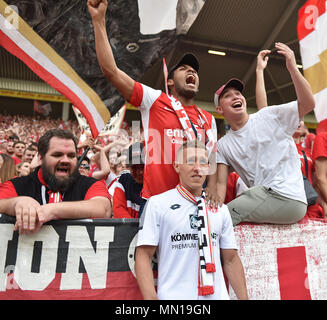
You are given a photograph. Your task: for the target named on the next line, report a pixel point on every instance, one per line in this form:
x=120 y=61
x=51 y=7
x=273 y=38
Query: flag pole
x=165 y=72
x=83 y=156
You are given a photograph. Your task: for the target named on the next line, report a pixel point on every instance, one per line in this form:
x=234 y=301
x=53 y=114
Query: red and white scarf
x=206 y=258
x=187 y=125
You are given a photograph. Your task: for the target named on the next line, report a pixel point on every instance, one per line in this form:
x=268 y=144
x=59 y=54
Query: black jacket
x=31 y=186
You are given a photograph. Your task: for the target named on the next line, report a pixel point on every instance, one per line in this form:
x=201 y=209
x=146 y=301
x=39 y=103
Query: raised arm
x=260 y=90
x=303 y=90
x=123 y=83
x=103 y=164
x=88 y=142
x=35 y=162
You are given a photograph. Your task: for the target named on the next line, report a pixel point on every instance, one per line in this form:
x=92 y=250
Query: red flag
x=29 y=47
x=165 y=71
x=44 y=109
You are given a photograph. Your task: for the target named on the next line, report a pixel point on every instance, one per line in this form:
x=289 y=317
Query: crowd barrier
x=69 y=259
x=94 y=259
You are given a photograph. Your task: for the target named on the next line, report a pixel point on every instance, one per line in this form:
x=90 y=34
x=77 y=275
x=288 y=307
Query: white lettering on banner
x=131 y=258
x=11 y=284
x=258 y=245
x=131 y=255
x=24 y=277
x=95 y=261
x=6 y=231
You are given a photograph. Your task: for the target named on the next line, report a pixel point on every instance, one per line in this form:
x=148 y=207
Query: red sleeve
x=320 y=146
x=137 y=94
x=119 y=205
x=98 y=189
x=7 y=190
x=231 y=187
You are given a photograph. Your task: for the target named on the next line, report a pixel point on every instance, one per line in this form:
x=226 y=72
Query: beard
x=185 y=93
x=56 y=184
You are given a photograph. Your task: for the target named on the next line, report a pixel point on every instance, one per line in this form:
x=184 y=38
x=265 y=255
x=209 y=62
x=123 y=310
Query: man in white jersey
x=260 y=148
x=190 y=239
x=167 y=119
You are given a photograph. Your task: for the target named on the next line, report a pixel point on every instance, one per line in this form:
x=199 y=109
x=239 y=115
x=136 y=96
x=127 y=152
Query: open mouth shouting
x=190 y=80
x=62 y=171
x=237 y=104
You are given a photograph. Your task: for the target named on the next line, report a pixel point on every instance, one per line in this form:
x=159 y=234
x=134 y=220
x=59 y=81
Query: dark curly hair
x=43 y=144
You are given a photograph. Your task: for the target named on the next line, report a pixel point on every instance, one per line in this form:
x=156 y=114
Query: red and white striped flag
x=312 y=35
x=18 y=38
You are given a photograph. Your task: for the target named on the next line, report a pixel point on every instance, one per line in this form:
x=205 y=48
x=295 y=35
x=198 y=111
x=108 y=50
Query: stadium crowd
x=108 y=158
x=256 y=174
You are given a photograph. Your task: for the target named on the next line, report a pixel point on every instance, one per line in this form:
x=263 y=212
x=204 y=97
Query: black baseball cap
x=188 y=59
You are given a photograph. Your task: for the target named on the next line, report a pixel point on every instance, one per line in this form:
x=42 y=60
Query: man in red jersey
x=168 y=119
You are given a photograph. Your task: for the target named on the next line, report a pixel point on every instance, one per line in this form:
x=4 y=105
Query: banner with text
x=69 y=259
x=94 y=259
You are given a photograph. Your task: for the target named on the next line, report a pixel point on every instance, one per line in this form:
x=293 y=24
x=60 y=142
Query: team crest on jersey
x=175 y=206
x=193 y=221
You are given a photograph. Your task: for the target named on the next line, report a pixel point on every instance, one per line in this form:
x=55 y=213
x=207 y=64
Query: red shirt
x=308 y=142
x=320 y=146
x=16 y=160
x=163 y=135
x=315 y=210
x=126 y=199
x=97 y=189
x=231 y=190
